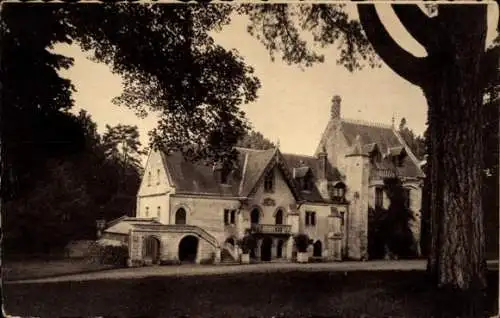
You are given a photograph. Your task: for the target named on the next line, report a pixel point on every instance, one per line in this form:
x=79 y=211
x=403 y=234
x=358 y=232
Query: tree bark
x=451 y=78
x=454 y=93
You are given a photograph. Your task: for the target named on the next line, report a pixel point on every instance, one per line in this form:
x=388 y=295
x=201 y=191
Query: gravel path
x=191 y=270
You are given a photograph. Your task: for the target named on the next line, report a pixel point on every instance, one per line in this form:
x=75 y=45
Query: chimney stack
x=335 y=109
x=322 y=156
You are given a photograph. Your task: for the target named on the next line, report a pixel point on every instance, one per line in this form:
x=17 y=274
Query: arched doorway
x=255 y=216
x=265 y=249
x=188 y=248
x=180 y=216
x=279 y=249
x=152 y=249
x=279 y=217
x=317 y=249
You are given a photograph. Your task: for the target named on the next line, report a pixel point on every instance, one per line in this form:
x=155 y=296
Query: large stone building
x=193 y=212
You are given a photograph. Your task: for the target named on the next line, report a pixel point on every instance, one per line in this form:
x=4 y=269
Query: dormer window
x=269 y=181
x=337 y=192
x=307 y=184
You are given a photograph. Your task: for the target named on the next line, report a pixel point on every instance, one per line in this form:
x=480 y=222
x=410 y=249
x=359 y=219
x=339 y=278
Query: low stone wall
x=169 y=248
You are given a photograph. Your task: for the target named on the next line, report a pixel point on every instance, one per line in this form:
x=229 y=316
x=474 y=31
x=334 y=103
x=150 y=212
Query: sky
x=294 y=104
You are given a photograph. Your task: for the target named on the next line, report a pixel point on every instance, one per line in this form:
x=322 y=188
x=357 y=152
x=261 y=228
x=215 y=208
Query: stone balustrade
x=272 y=228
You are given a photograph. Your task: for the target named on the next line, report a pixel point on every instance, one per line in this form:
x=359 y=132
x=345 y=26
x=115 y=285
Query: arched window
x=255 y=216
x=158 y=176
x=149 y=178
x=158 y=210
x=279 y=217
x=180 y=216
x=147 y=211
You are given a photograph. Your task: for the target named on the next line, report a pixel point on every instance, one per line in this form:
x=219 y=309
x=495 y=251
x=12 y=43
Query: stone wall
x=270 y=202
x=169 y=247
x=154 y=204
x=154 y=193
x=205 y=212
x=357 y=174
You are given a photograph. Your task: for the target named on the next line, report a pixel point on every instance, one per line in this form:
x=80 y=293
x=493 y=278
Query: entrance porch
x=271 y=247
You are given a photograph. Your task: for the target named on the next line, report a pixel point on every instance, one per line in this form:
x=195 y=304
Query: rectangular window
x=229 y=217
x=269 y=182
x=379 y=197
x=310 y=218
x=158 y=210
x=158 y=176
x=149 y=178
x=147 y=211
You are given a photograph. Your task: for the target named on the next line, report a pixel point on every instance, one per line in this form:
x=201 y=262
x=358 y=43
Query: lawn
x=37 y=268
x=285 y=294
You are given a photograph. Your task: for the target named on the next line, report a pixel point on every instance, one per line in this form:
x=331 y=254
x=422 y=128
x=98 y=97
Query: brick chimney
x=335 y=109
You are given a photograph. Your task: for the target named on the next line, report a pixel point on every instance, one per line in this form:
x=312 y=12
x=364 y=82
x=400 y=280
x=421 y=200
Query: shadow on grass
x=278 y=294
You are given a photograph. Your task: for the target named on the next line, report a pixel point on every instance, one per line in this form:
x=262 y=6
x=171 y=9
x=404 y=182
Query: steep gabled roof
x=255 y=164
x=386 y=139
x=370 y=133
x=278 y=160
x=295 y=161
x=189 y=177
x=197 y=178
x=312 y=165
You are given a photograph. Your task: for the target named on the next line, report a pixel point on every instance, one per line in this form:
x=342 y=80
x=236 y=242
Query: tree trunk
x=454 y=93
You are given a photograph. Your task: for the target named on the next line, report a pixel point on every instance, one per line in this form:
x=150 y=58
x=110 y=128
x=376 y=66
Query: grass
x=38 y=268
x=278 y=294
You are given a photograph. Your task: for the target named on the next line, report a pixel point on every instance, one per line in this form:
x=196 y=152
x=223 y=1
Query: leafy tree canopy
x=255 y=140
x=167 y=59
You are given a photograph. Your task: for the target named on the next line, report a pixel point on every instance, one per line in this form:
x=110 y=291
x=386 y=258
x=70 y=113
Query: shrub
x=247 y=243
x=302 y=242
x=113 y=255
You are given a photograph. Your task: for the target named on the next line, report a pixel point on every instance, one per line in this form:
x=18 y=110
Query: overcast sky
x=293 y=104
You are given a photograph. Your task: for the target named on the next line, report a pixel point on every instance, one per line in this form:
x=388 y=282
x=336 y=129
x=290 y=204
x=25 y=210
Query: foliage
x=255 y=140
x=196 y=88
x=283 y=28
x=70 y=195
x=247 y=243
x=416 y=143
x=302 y=241
x=113 y=255
x=122 y=143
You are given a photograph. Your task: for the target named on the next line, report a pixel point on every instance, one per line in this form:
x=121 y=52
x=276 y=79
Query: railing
x=380 y=174
x=271 y=228
x=176 y=228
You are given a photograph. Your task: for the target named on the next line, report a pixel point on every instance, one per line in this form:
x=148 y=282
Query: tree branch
x=418 y=24
x=405 y=64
